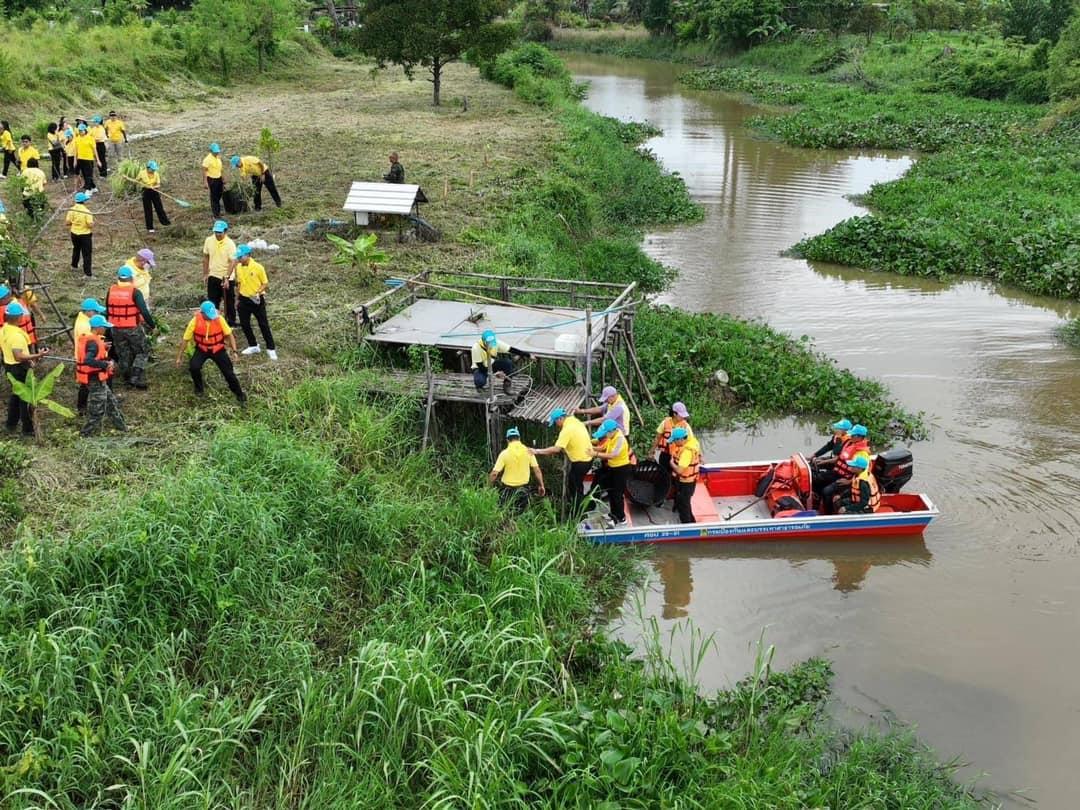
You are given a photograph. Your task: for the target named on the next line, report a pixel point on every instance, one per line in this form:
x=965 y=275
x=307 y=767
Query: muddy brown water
x=969 y=634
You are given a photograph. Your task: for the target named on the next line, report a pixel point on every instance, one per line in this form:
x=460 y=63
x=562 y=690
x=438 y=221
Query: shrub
x=1031 y=88
x=1063 y=76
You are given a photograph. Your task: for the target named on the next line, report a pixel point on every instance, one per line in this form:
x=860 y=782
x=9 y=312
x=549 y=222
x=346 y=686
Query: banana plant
x=35 y=393
x=359 y=253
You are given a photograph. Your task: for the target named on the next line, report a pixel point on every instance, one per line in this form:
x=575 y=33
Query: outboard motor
x=893 y=469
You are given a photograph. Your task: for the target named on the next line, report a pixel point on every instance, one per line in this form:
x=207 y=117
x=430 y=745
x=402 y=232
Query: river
x=968 y=634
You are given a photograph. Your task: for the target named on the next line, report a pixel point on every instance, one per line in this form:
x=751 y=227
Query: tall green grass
x=307 y=616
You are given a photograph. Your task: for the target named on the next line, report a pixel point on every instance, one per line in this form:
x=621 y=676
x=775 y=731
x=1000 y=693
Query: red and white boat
x=726 y=506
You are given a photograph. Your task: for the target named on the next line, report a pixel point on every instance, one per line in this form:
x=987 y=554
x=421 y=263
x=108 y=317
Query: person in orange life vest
x=18 y=359
x=685 y=465
x=677 y=417
x=855 y=445
x=87 y=310
x=614 y=450
x=209 y=333
x=863 y=495
x=127 y=310
x=611 y=406
x=26 y=320
x=832 y=448
x=93 y=368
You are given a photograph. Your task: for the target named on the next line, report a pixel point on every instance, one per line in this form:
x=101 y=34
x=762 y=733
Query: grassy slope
x=994 y=192
x=291 y=608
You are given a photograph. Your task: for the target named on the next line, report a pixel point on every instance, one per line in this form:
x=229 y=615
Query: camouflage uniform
x=132 y=351
x=396 y=174
x=102 y=402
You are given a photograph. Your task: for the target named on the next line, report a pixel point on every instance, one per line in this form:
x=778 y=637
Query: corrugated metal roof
x=446 y=324
x=381 y=198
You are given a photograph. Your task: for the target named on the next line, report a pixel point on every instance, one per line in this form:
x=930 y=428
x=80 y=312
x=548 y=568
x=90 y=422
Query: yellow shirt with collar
x=250 y=278
x=574 y=439
x=212 y=164
x=516 y=464
x=220 y=253
x=80 y=220
x=26 y=154
x=115 y=129
x=251 y=166
x=11 y=338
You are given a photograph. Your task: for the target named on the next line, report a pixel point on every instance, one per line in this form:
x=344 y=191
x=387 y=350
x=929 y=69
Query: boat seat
x=883 y=509
x=702 y=505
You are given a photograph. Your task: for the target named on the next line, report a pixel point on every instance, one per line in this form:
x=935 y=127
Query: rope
x=512 y=330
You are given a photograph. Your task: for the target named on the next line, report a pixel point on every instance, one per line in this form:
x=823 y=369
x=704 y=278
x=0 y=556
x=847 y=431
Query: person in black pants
x=214 y=178
x=575 y=443
x=150 y=180
x=260 y=174
x=251 y=284
x=56 y=152
x=209 y=332
x=8 y=144
x=81 y=222
x=100 y=145
x=17 y=361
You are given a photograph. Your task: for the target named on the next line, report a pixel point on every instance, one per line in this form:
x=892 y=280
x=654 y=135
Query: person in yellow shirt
x=614 y=450
x=677 y=417
x=87 y=310
x=7 y=146
x=213 y=178
x=251 y=284
x=218 y=251
x=100 y=139
x=141 y=264
x=86 y=157
x=71 y=164
x=81 y=223
x=149 y=179
x=260 y=174
x=574 y=442
x=34 y=189
x=116 y=132
x=685 y=466
x=209 y=332
x=514 y=468
x=17 y=362
x=56 y=150
x=27 y=152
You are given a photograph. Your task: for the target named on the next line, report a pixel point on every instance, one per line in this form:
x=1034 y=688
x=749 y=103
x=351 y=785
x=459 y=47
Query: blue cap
x=214 y=149
x=513 y=433
x=489 y=338
x=843 y=424
x=221 y=226
x=16 y=309
x=125 y=273
x=605 y=428
x=679 y=434
x=555 y=416
x=151 y=165
x=97 y=119
x=68 y=133
x=5 y=290
x=208 y=310
x=234 y=161
x=82 y=127
x=860 y=462
x=99 y=322
x=242 y=251
x=858 y=431
x=93 y=305
x=2 y=209
x=81 y=197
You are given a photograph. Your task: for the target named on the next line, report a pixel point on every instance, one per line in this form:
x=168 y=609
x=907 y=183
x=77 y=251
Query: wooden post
x=632 y=345
x=588 y=349
x=430 y=398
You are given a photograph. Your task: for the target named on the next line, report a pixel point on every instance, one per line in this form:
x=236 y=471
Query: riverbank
x=294 y=606
x=992 y=194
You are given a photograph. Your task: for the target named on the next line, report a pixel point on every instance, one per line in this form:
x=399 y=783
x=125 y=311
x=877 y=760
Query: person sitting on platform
x=490 y=356
x=863 y=497
x=516 y=465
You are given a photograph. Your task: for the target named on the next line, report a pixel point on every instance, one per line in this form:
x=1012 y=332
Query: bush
x=1031 y=88
x=1063 y=76
x=536 y=31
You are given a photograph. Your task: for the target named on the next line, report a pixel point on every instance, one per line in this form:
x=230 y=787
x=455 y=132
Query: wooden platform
x=449 y=387
x=538 y=403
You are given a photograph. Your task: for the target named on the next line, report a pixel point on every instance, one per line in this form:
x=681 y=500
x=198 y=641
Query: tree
x=1064 y=72
x=432 y=33
x=656 y=16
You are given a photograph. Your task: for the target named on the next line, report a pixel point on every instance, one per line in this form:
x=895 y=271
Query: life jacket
x=664 y=434
x=851 y=448
x=209 y=336
x=856 y=491
x=694 y=476
x=84 y=373
x=26 y=323
x=608 y=444
x=121 y=307
x=790 y=485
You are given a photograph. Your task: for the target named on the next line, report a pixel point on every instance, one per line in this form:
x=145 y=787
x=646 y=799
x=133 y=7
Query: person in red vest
x=209 y=333
x=93 y=368
x=126 y=309
x=25 y=321
x=843 y=470
x=862 y=495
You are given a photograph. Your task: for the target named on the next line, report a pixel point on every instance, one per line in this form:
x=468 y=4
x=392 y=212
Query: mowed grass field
x=336 y=126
